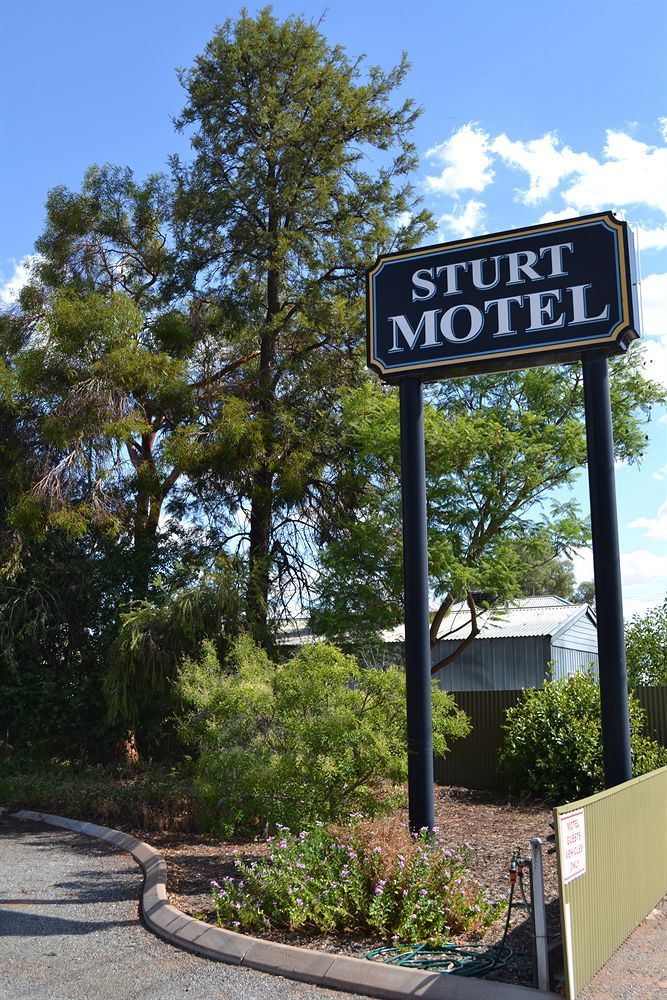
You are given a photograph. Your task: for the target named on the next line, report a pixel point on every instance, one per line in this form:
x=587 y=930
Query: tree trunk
x=259 y=559
x=261 y=500
x=146 y=516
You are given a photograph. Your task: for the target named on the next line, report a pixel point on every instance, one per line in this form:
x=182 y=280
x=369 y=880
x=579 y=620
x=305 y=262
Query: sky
x=530 y=112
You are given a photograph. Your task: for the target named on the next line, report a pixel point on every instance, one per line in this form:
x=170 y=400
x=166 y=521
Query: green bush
x=646 y=648
x=552 y=747
x=411 y=889
x=314 y=738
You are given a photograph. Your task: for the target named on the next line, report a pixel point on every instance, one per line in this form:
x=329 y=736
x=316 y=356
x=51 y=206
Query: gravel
x=70 y=930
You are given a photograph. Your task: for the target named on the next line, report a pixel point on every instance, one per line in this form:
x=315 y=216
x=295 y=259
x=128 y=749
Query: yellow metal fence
x=612 y=853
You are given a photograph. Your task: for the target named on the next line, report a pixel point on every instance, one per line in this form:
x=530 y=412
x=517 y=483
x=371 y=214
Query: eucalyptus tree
x=501 y=451
x=298 y=178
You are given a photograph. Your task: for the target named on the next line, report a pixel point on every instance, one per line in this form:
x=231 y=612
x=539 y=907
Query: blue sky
x=530 y=111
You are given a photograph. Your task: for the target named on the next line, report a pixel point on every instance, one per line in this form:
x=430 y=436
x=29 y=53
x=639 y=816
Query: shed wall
x=494 y=664
x=581 y=635
x=571 y=661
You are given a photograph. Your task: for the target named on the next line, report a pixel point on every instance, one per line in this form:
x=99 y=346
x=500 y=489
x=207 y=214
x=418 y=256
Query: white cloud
x=643 y=576
x=660 y=474
x=642 y=567
x=9 y=289
x=466 y=222
x=654 y=527
x=582 y=563
x=654 y=304
x=650 y=239
x=626 y=172
x=545 y=164
x=632 y=173
x=403 y=219
x=566 y=213
x=653 y=293
x=655 y=359
x=640 y=605
x=466 y=161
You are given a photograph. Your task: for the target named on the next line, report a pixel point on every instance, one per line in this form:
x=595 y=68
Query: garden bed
x=492 y=825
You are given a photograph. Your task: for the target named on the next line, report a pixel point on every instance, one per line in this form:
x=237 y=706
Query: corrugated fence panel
x=654 y=702
x=473 y=762
x=625 y=876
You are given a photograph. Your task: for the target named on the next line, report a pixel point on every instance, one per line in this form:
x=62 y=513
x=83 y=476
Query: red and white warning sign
x=572 y=845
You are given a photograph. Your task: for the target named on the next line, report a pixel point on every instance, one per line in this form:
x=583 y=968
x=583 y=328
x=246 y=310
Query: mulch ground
x=492 y=824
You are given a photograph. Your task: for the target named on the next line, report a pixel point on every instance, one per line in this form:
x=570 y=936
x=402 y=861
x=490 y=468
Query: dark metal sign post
x=415 y=579
x=550 y=294
x=607 y=572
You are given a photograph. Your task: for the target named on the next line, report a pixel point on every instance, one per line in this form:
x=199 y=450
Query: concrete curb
x=355 y=975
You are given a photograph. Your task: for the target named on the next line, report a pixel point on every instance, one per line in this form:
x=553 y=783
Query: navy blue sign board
x=549 y=294
x=541 y=295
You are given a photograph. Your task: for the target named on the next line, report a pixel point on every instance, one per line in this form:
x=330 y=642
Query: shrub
x=415 y=890
x=144 y=796
x=311 y=739
x=552 y=747
x=646 y=647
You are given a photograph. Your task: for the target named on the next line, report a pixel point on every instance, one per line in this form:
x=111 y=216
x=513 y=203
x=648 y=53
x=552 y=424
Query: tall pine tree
x=297 y=182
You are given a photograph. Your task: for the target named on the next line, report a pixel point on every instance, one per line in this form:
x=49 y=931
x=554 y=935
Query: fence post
x=539 y=915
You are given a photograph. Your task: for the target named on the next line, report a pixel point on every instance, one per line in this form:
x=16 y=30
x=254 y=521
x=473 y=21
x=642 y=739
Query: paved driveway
x=70 y=930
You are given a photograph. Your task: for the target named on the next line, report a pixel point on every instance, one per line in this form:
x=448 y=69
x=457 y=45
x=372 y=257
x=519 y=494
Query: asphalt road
x=70 y=930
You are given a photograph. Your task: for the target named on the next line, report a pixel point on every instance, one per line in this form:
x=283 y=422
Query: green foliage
x=646 y=648
x=94 y=388
x=140 y=796
x=545 y=571
x=552 y=747
x=408 y=889
x=585 y=593
x=497 y=449
x=58 y=612
x=310 y=739
x=154 y=636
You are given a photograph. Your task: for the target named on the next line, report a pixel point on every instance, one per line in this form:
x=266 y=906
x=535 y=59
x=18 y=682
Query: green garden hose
x=449 y=959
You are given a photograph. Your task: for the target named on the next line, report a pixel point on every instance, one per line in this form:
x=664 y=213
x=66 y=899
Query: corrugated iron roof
x=524 y=617
x=528 y=616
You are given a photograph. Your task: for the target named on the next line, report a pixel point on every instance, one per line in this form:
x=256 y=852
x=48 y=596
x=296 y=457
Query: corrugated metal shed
x=518 y=646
